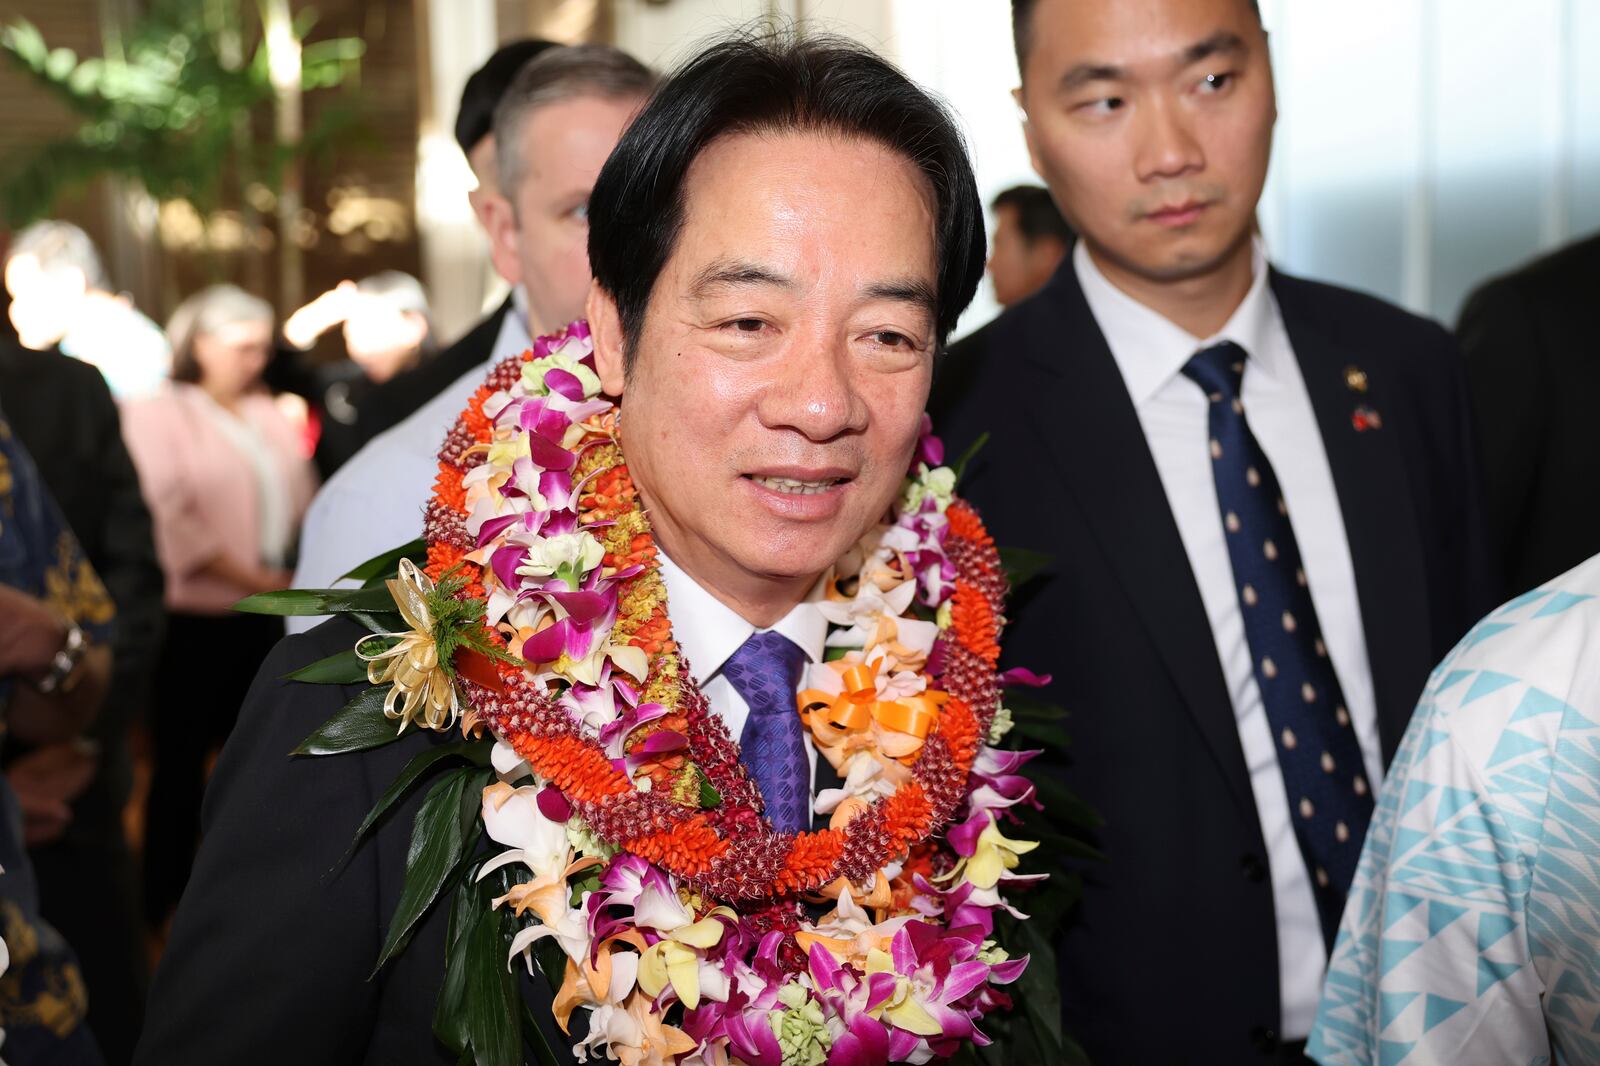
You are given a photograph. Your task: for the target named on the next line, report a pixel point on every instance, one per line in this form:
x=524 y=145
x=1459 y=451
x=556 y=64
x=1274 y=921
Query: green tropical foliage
x=182 y=104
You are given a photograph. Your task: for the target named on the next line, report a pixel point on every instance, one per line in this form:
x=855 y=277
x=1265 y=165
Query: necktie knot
x=1218 y=370
x=765 y=672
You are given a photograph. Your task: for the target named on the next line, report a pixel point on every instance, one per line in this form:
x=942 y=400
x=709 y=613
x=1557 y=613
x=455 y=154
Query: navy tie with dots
x=1330 y=801
x=765 y=672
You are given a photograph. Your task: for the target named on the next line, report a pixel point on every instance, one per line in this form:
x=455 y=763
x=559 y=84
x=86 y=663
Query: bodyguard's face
x=543 y=245
x=784 y=359
x=1151 y=120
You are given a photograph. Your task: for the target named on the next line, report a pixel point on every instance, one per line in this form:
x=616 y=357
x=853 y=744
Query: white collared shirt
x=708 y=632
x=1150 y=351
x=375 y=501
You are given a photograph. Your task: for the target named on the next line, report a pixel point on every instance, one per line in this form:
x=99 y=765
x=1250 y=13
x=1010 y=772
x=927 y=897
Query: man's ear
x=1027 y=129
x=605 y=329
x=500 y=222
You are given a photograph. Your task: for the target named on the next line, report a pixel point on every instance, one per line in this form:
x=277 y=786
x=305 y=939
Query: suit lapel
x=1379 y=519
x=1081 y=406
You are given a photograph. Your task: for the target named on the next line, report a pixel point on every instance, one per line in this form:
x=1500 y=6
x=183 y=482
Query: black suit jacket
x=1533 y=369
x=63 y=413
x=390 y=403
x=1172 y=954
x=272 y=943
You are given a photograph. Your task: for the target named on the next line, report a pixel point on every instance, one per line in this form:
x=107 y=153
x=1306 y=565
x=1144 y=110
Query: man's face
x=784 y=359
x=544 y=244
x=1017 y=266
x=1151 y=121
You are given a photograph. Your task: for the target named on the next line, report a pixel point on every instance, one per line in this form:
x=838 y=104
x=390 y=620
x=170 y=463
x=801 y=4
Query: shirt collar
x=1150 y=350
x=709 y=631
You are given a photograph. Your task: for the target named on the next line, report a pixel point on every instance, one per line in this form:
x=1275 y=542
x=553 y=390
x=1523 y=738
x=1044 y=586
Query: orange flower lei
x=667 y=825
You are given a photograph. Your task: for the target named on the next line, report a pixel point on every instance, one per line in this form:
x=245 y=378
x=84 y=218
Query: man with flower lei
x=609 y=594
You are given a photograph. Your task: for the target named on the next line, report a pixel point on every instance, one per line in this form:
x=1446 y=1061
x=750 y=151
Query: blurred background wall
x=1423 y=145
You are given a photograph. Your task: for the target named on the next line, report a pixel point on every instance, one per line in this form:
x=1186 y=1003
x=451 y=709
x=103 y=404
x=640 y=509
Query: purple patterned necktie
x=765 y=672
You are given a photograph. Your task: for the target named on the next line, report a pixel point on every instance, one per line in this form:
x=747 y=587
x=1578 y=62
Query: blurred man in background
x=1261 y=504
x=61 y=297
x=554 y=128
x=1533 y=367
x=387 y=330
x=1030 y=240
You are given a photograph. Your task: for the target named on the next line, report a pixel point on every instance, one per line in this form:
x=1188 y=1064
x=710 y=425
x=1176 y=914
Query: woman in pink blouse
x=227 y=481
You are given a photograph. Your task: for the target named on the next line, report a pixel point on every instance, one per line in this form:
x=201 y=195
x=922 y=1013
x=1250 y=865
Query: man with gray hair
x=61 y=297
x=553 y=128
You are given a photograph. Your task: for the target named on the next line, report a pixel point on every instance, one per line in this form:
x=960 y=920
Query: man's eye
x=1104 y=106
x=581 y=212
x=748 y=325
x=1215 y=83
x=890 y=339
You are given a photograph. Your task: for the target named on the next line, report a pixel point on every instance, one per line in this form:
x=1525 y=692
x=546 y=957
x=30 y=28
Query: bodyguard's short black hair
x=775 y=83
x=1022 y=26
x=475 y=119
x=1038 y=217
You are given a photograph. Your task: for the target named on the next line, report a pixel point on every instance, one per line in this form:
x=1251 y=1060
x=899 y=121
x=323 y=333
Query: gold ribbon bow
x=411 y=667
x=848 y=719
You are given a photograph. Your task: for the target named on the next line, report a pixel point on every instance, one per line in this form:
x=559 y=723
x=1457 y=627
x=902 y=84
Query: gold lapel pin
x=1355 y=379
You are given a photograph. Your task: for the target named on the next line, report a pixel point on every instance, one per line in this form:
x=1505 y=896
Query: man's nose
x=814 y=391
x=1167 y=146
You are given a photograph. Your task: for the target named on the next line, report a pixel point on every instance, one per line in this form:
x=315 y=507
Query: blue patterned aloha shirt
x=1472 y=935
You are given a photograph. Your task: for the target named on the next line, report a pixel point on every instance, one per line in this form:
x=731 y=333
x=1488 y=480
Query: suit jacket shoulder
x=1362 y=322
x=275 y=939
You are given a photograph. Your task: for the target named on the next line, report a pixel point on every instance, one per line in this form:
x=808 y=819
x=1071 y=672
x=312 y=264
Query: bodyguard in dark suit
x=1533 y=370
x=1259 y=497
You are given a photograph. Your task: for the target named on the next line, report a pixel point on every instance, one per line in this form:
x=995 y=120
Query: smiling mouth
x=795 y=487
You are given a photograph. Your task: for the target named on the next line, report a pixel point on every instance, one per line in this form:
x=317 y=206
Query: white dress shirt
x=708 y=632
x=375 y=501
x=1150 y=351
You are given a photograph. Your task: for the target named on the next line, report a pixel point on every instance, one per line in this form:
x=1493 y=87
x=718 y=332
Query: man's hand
x=320 y=315
x=30 y=635
x=46 y=782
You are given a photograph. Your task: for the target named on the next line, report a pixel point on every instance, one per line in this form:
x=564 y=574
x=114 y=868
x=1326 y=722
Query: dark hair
x=1038 y=217
x=1022 y=27
x=560 y=74
x=775 y=82
x=482 y=93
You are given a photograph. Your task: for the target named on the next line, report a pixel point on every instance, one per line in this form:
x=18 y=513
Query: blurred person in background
x=56 y=662
x=73 y=792
x=1030 y=240
x=504 y=329
x=227 y=483
x=386 y=330
x=1533 y=370
x=61 y=297
x=1260 y=498
x=554 y=128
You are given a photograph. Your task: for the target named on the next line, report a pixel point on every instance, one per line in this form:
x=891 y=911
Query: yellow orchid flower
x=674 y=960
x=902 y=1009
x=994 y=855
